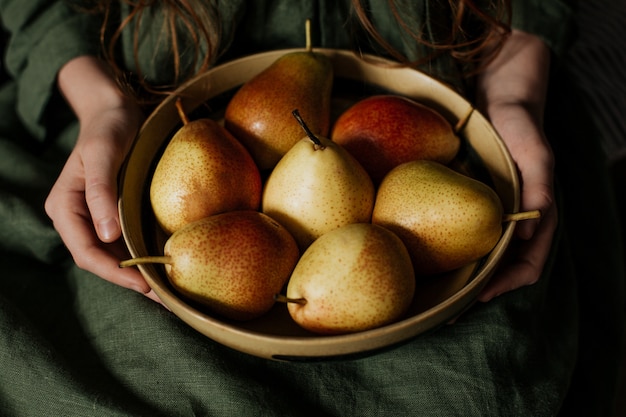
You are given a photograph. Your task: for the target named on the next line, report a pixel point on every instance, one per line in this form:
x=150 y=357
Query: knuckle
x=50 y=205
x=83 y=260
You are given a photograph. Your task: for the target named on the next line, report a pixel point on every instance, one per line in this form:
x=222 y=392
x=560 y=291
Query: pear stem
x=463 y=121
x=146 y=260
x=522 y=215
x=284 y=299
x=307 y=31
x=181 y=111
x=311 y=135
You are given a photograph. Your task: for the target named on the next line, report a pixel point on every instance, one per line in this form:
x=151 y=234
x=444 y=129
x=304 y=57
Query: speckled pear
x=354 y=278
x=203 y=171
x=445 y=219
x=317 y=187
x=382 y=131
x=234 y=263
x=259 y=112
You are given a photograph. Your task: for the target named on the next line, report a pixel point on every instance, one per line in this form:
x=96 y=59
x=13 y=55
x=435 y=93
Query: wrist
x=89 y=88
x=518 y=76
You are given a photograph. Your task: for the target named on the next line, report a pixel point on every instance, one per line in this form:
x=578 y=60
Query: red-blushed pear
x=351 y=279
x=317 y=187
x=383 y=131
x=203 y=171
x=234 y=263
x=259 y=112
x=445 y=219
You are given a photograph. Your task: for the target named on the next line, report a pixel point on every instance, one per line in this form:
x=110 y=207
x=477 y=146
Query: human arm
x=512 y=93
x=83 y=202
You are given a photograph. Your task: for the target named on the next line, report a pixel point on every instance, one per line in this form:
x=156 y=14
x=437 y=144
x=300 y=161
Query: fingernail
x=108 y=229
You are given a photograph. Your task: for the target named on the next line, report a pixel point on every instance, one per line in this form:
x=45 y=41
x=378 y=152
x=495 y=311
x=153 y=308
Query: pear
x=354 y=278
x=316 y=187
x=233 y=262
x=203 y=171
x=382 y=131
x=445 y=219
x=258 y=113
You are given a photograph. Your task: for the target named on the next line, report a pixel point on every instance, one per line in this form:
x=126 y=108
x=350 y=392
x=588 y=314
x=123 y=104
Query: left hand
x=528 y=251
x=512 y=94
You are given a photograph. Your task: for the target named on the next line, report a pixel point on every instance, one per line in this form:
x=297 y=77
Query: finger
x=102 y=163
x=535 y=161
x=67 y=208
x=152 y=295
x=77 y=232
x=525 y=260
x=537 y=186
x=537 y=194
x=103 y=261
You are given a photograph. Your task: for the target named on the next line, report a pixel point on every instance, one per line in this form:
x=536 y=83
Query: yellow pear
x=354 y=278
x=258 y=113
x=445 y=219
x=317 y=187
x=233 y=262
x=203 y=171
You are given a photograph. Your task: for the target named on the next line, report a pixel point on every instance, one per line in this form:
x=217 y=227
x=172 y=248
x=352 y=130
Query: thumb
x=101 y=165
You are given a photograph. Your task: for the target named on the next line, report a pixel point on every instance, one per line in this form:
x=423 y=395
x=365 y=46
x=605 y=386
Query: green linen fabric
x=550 y=20
x=72 y=344
x=46 y=35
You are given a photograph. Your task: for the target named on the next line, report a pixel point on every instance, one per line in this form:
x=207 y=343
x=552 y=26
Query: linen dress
x=72 y=344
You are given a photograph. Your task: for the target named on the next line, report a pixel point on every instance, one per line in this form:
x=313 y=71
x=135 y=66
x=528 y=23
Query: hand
x=530 y=247
x=511 y=92
x=83 y=202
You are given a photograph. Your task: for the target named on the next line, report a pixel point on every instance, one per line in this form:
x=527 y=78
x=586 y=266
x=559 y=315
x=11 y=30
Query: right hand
x=83 y=202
